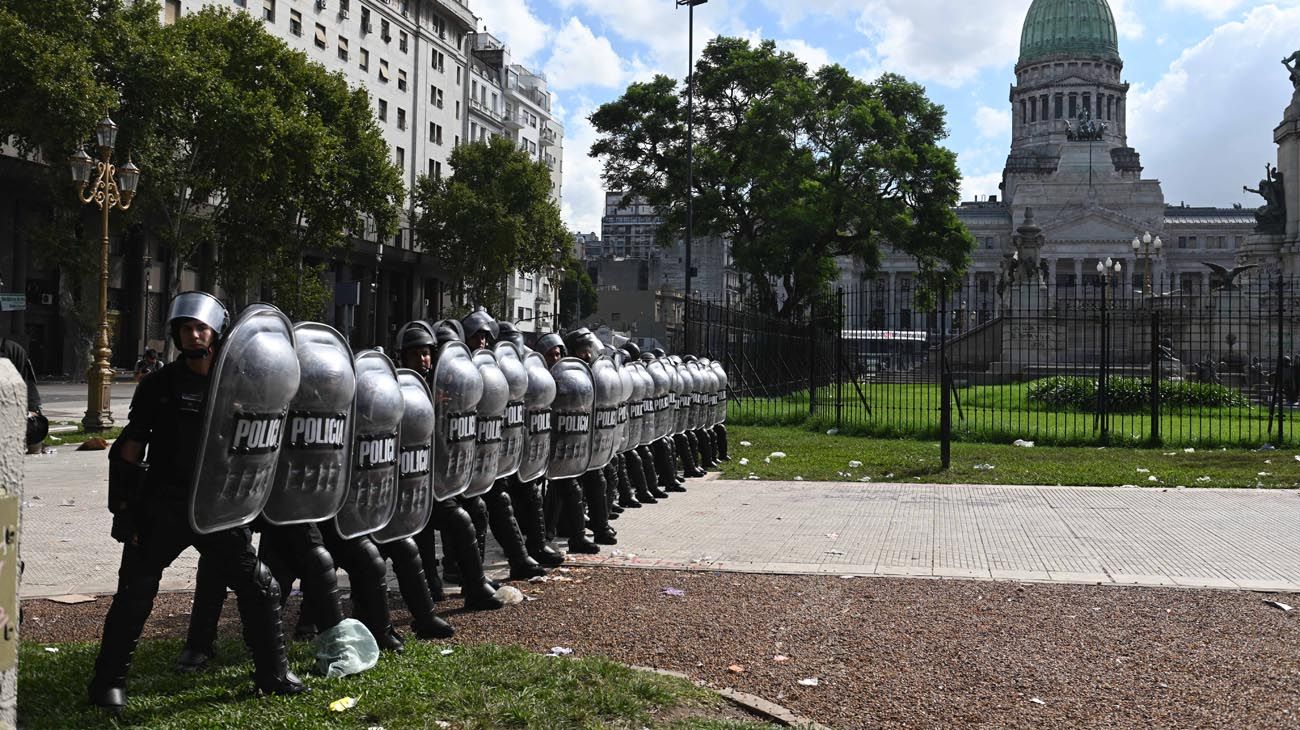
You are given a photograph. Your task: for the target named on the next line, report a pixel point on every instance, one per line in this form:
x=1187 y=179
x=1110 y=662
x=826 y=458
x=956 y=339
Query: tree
x=791 y=168
x=577 y=293
x=493 y=216
x=251 y=155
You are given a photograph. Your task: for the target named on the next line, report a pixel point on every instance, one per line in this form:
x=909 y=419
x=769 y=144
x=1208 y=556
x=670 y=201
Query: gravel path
x=890 y=652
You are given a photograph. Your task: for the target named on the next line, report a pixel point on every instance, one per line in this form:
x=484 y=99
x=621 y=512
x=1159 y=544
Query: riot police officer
x=149 y=507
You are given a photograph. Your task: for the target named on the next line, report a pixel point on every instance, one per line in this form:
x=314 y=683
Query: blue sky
x=1207 y=83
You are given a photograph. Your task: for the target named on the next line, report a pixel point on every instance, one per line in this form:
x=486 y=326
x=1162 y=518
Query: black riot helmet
x=201 y=306
x=412 y=335
x=508 y=333
x=584 y=345
x=633 y=352
x=658 y=352
x=447 y=330
x=548 y=342
x=480 y=322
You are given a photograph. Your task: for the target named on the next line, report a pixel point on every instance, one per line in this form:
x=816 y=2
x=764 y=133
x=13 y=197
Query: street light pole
x=1109 y=271
x=103 y=184
x=690 y=162
x=1142 y=248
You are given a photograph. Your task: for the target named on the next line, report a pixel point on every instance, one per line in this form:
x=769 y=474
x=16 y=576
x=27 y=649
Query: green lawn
x=1003 y=413
x=814 y=455
x=473 y=687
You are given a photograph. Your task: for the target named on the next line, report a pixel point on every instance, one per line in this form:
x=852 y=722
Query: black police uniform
x=166 y=414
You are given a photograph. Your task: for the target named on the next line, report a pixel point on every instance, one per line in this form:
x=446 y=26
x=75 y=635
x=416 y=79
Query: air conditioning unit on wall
x=320 y=4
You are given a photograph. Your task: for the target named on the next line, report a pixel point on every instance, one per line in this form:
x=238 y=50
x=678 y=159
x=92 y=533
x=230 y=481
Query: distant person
x=38 y=426
x=147 y=364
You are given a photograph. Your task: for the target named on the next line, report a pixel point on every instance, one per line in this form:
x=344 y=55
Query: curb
x=746 y=701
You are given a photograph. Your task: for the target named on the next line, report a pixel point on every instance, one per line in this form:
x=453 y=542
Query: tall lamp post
x=1109 y=272
x=103 y=184
x=1146 y=247
x=690 y=161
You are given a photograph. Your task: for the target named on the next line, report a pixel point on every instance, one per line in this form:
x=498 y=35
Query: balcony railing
x=460 y=9
x=512 y=118
x=547 y=136
x=484 y=109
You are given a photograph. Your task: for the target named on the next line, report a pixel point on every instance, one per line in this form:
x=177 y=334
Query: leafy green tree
x=493 y=216
x=792 y=168
x=578 y=296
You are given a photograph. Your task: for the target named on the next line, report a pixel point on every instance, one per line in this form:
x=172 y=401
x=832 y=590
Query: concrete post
x=13 y=429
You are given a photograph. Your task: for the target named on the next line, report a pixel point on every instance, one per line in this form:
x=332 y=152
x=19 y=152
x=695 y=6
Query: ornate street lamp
x=1109 y=272
x=101 y=183
x=1145 y=247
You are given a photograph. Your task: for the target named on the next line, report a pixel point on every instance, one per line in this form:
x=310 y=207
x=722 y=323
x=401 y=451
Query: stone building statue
x=1271 y=216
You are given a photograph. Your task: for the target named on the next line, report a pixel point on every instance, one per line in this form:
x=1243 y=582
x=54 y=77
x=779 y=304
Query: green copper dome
x=1079 y=28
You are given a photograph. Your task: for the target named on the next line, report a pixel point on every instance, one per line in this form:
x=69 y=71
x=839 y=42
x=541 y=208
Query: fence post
x=1277 y=377
x=839 y=357
x=812 y=357
x=945 y=386
x=1155 y=374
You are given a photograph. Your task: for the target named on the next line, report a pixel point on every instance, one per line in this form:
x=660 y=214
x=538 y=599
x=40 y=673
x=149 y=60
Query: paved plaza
x=1235 y=539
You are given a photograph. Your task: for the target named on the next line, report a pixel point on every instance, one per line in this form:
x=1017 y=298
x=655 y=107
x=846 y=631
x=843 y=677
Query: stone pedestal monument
x=1029 y=334
x=1275 y=243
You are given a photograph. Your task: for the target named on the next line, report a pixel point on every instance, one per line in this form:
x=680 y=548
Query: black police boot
x=720 y=433
x=259 y=611
x=478 y=515
x=624 y=484
x=593 y=487
x=705 y=439
x=651 y=475
x=569 y=493
x=669 y=447
x=122 y=629
x=636 y=475
x=205 y=614
x=526 y=498
x=460 y=543
x=368 y=575
x=413 y=584
x=662 y=458
x=686 y=453
x=501 y=518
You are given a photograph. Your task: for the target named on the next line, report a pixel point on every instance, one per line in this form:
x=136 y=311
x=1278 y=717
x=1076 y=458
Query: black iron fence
x=1093 y=364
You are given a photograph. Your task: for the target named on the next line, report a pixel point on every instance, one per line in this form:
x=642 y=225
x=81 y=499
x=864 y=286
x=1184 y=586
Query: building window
x=401 y=79
x=435 y=133
x=383 y=110
x=343 y=48
x=242 y=3
x=440 y=63
x=435 y=169
x=401 y=118
x=364 y=60
x=383 y=70
x=295 y=22
x=457 y=74
x=1043 y=103
x=435 y=94
x=171 y=12
x=401 y=41
x=320 y=36
x=268 y=10
x=383 y=31
x=1059 y=105
x=366 y=27
x=1074 y=100
x=457 y=111
x=400 y=155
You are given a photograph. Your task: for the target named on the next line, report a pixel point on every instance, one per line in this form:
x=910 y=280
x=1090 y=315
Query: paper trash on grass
x=1202 y=479
x=670 y=591
x=983 y=467
x=344 y=703
x=447 y=652
x=1142 y=470
x=832 y=431
x=798 y=478
x=777 y=455
x=52 y=649
x=1023 y=443
x=1279 y=604
x=745 y=443
x=1036 y=701
x=509 y=595
x=855 y=463
x=559 y=651
x=809 y=682
x=744 y=461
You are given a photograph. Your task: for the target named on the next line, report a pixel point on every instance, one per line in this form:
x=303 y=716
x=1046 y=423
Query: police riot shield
x=372 y=492
x=252 y=381
x=626 y=439
x=488 y=444
x=571 y=419
x=512 y=424
x=647 y=390
x=711 y=399
x=658 y=401
x=720 y=415
x=604 y=416
x=683 y=385
x=635 y=391
x=414 y=461
x=311 y=479
x=537 y=438
x=700 y=388
x=457 y=388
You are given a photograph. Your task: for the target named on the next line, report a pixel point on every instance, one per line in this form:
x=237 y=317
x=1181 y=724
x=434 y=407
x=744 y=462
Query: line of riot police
x=349 y=461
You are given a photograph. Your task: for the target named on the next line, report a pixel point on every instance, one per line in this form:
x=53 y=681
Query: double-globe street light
x=1108 y=272
x=1146 y=247
x=103 y=184
x=690 y=162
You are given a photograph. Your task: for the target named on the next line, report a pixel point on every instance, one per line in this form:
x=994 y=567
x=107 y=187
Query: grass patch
x=55 y=440
x=481 y=686
x=814 y=455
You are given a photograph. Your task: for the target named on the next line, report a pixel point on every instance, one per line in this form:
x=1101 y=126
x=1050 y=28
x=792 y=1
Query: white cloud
x=992 y=123
x=980 y=185
x=813 y=56
x=1205 y=127
x=940 y=40
x=1127 y=23
x=583 y=199
x=514 y=23
x=1209 y=8
x=582 y=59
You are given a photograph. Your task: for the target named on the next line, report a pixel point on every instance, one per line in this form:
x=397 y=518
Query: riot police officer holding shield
x=149 y=503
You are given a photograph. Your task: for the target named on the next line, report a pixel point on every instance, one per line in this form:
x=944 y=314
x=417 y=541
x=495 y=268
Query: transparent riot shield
x=571 y=419
x=539 y=397
x=372 y=493
x=457 y=388
x=414 y=461
x=488 y=442
x=512 y=425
